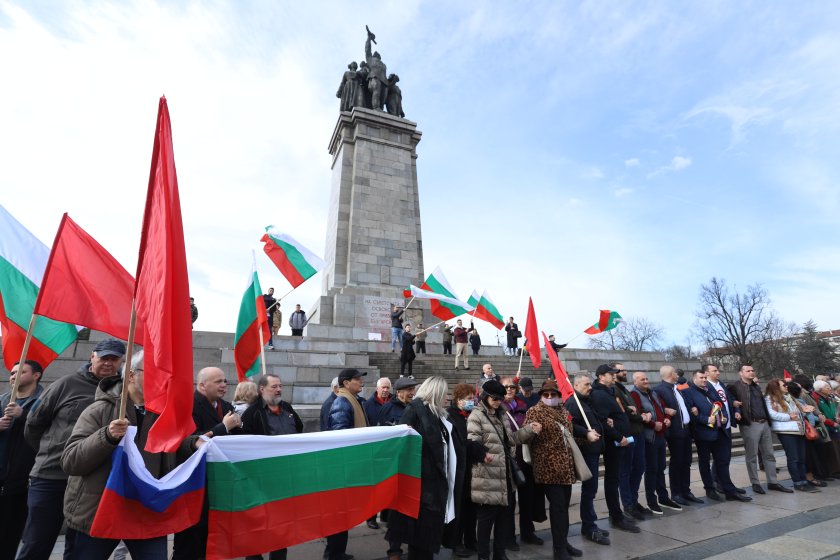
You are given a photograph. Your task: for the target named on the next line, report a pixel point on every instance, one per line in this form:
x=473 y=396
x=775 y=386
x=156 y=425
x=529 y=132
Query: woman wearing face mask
x=460 y=535
x=492 y=482
x=553 y=464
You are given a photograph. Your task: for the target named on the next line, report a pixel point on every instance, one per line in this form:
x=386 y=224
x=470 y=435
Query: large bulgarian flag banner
x=23 y=259
x=296 y=262
x=444 y=308
x=272 y=492
x=253 y=320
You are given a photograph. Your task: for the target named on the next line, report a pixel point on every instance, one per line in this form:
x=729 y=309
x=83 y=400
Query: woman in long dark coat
x=407 y=354
x=443 y=449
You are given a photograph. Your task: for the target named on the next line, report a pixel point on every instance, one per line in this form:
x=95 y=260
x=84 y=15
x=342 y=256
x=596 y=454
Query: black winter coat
x=255 y=421
x=605 y=405
x=206 y=417
x=579 y=425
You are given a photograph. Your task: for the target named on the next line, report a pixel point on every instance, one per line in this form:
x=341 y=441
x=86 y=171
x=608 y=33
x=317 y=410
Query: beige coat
x=489 y=485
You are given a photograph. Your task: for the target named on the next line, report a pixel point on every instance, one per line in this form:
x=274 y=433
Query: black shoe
x=466 y=368
x=817 y=483
x=779 y=488
x=713 y=495
x=513 y=546
x=758 y=489
x=462 y=551
x=670 y=504
x=681 y=501
x=741 y=491
x=572 y=551
x=692 y=498
x=624 y=525
x=806 y=488
x=500 y=556
x=597 y=537
x=642 y=509
x=719 y=488
x=737 y=498
x=372 y=524
x=632 y=512
x=655 y=509
x=532 y=539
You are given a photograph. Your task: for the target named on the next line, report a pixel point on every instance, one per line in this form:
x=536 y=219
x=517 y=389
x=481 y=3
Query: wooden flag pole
x=22 y=358
x=129 y=350
x=582 y=413
x=409 y=303
x=262 y=349
x=429 y=328
x=575 y=337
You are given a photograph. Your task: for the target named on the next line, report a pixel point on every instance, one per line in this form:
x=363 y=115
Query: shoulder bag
x=582 y=472
x=810 y=431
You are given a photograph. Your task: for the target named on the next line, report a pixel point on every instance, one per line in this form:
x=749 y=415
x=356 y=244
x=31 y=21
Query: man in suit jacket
x=709 y=418
x=732 y=413
x=213 y=416
x=678 y=438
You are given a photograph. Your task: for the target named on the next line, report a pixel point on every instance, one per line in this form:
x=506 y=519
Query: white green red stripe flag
x=454 y=307
x=442 y=307
x=253 y=318
x=486 y=310
x=272 y=492
x=23 y=259
x=296 y=262
x=607 y=320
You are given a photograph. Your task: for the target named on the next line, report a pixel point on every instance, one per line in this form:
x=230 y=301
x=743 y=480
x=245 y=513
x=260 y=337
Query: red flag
x=84 y=285
x=532 y=336
x=163 y=300
x=560 y=374
x=788 y=376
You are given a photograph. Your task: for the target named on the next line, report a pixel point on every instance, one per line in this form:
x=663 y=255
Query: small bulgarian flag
x=23 y=259
x=443 y=308
x=247 y=346
x=332 y=482
x=296 y=262
x=452 y=305
x=486 y=310
x=608 y=321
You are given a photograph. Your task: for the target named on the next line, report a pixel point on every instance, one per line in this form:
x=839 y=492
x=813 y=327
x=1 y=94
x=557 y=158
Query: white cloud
x=632 y=162
x=678 y=163
x=622 y=192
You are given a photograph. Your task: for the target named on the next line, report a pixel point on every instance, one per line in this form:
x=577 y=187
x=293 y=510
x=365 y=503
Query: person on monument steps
x=270 y=307
x=16 y=457
x=407 y=354
x=396 y=326
x=48 y=426
x=298 y=321
x=461 y=339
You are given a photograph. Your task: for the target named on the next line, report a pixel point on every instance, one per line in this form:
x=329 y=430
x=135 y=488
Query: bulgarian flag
x=442 y=308
x=332 y=481
x=296 y=262
x=253 y=319
x=23 y=259
x=608 y=321
x=486 y=310
x=452 y=305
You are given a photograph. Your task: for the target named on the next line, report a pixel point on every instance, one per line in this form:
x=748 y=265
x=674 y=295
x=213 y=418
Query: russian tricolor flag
x=136 y=505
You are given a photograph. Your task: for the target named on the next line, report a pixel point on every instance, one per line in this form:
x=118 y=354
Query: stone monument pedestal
x=374 y=246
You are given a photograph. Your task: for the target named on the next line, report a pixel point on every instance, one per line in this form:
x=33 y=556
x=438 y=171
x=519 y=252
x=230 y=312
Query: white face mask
x=553 y=401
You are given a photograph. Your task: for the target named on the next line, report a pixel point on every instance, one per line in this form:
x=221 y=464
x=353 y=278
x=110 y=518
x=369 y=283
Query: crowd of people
x=492 y=450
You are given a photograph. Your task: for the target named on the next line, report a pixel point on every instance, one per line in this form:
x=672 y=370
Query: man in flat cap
x=48 y=427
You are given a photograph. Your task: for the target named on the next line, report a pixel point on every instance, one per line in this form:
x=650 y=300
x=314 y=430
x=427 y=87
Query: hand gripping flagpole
x=129 y=350
x=22 y=360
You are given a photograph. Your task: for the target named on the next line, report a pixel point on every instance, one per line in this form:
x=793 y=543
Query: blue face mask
x=469 y=405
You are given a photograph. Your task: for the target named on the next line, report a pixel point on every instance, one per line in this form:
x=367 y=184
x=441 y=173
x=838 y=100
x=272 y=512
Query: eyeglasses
x=549 y=394
x=509 y=387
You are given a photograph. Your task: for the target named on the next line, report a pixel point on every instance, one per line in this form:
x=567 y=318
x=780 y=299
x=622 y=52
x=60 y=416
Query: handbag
x=810 y=431
x=582 y=472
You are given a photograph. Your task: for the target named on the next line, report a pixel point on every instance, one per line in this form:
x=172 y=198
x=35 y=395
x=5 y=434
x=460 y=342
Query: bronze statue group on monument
x=368 y=84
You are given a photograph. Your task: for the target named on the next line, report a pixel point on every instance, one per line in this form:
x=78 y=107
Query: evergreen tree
x=814 y=355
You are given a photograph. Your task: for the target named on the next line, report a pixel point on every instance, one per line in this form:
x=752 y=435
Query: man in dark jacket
x=392 y=412
x=733 y=415
x=633 y=460
x=213 y=416
x=648 y=401
x=16 y=457
x=396 y=326
x=709 y=417
x=271 y=416
x=378 y=400
x=608 y=406
x=48 y=426
x=755 y=429
x=678 y=437
x=270 y=307
x=589 y=430
x=327 y=404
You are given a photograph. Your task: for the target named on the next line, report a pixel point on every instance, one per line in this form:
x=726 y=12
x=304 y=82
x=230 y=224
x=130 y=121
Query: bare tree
x=743 y=327
x=635 y=334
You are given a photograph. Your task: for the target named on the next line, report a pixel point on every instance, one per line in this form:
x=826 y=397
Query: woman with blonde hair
x=244 y=396
x=442 y=453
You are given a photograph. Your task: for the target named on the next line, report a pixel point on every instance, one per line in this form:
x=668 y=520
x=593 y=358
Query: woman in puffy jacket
x=786 y=421
x=492 y=482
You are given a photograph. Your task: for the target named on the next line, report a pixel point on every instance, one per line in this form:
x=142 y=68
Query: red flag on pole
x=85 y=285
x=788 y=376
x=163 y=300
x=532 y=336
x=560 y=374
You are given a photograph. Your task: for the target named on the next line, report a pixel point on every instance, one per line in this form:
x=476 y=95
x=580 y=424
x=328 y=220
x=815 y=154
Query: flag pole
x=262 y=348
x=519 y=369
x=129 y=350
x=22 y=358
x=428 y=328
x=409 y=303
x=575 y=337
x=582 y=413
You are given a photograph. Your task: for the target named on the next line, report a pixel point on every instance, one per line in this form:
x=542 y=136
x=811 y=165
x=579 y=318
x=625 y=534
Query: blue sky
x=590 y=155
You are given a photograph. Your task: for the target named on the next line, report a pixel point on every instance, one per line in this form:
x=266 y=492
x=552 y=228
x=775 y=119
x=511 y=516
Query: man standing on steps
x=270 y=307
x=755 y=429
x=396 y=326
x=461 y=339
x=447 y=339
x=298 y=321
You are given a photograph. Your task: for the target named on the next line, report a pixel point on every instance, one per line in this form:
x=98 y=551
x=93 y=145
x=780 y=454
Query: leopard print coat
x=551 y=460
